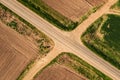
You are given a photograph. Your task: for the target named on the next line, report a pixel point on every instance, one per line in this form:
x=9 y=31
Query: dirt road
x=64 y=39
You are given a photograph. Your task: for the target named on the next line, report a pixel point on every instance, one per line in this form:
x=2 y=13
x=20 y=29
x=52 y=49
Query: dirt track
x=15 y=53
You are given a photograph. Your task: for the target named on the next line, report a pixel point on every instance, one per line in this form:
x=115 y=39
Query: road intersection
x=64 y=41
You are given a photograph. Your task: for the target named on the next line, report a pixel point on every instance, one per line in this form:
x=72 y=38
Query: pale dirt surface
x=65 y=41
x=15 y=53
x=72 y=9
x=58 y=72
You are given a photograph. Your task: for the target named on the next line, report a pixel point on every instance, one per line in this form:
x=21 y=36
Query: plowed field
x=73 y=9
x=15 y=53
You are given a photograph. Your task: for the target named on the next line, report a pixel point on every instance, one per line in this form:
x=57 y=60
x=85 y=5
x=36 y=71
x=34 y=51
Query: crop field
x=67 y=66
x=20 y=44
x=66 y=17
x=13 y=55
x=102 y=37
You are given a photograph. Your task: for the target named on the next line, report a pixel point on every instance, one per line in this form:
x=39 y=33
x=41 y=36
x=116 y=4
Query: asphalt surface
x=59 y=36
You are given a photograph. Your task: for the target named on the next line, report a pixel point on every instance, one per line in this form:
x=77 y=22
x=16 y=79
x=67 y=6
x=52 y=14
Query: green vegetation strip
x=43 y=10
x=78 y=65
x=102 y=37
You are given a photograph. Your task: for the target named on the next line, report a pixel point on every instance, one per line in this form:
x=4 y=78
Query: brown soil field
x=15 y=53
x=73 y=9
x=58 y=72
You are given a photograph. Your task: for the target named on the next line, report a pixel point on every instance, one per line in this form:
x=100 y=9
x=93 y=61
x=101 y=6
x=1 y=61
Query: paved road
x=59 y=36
